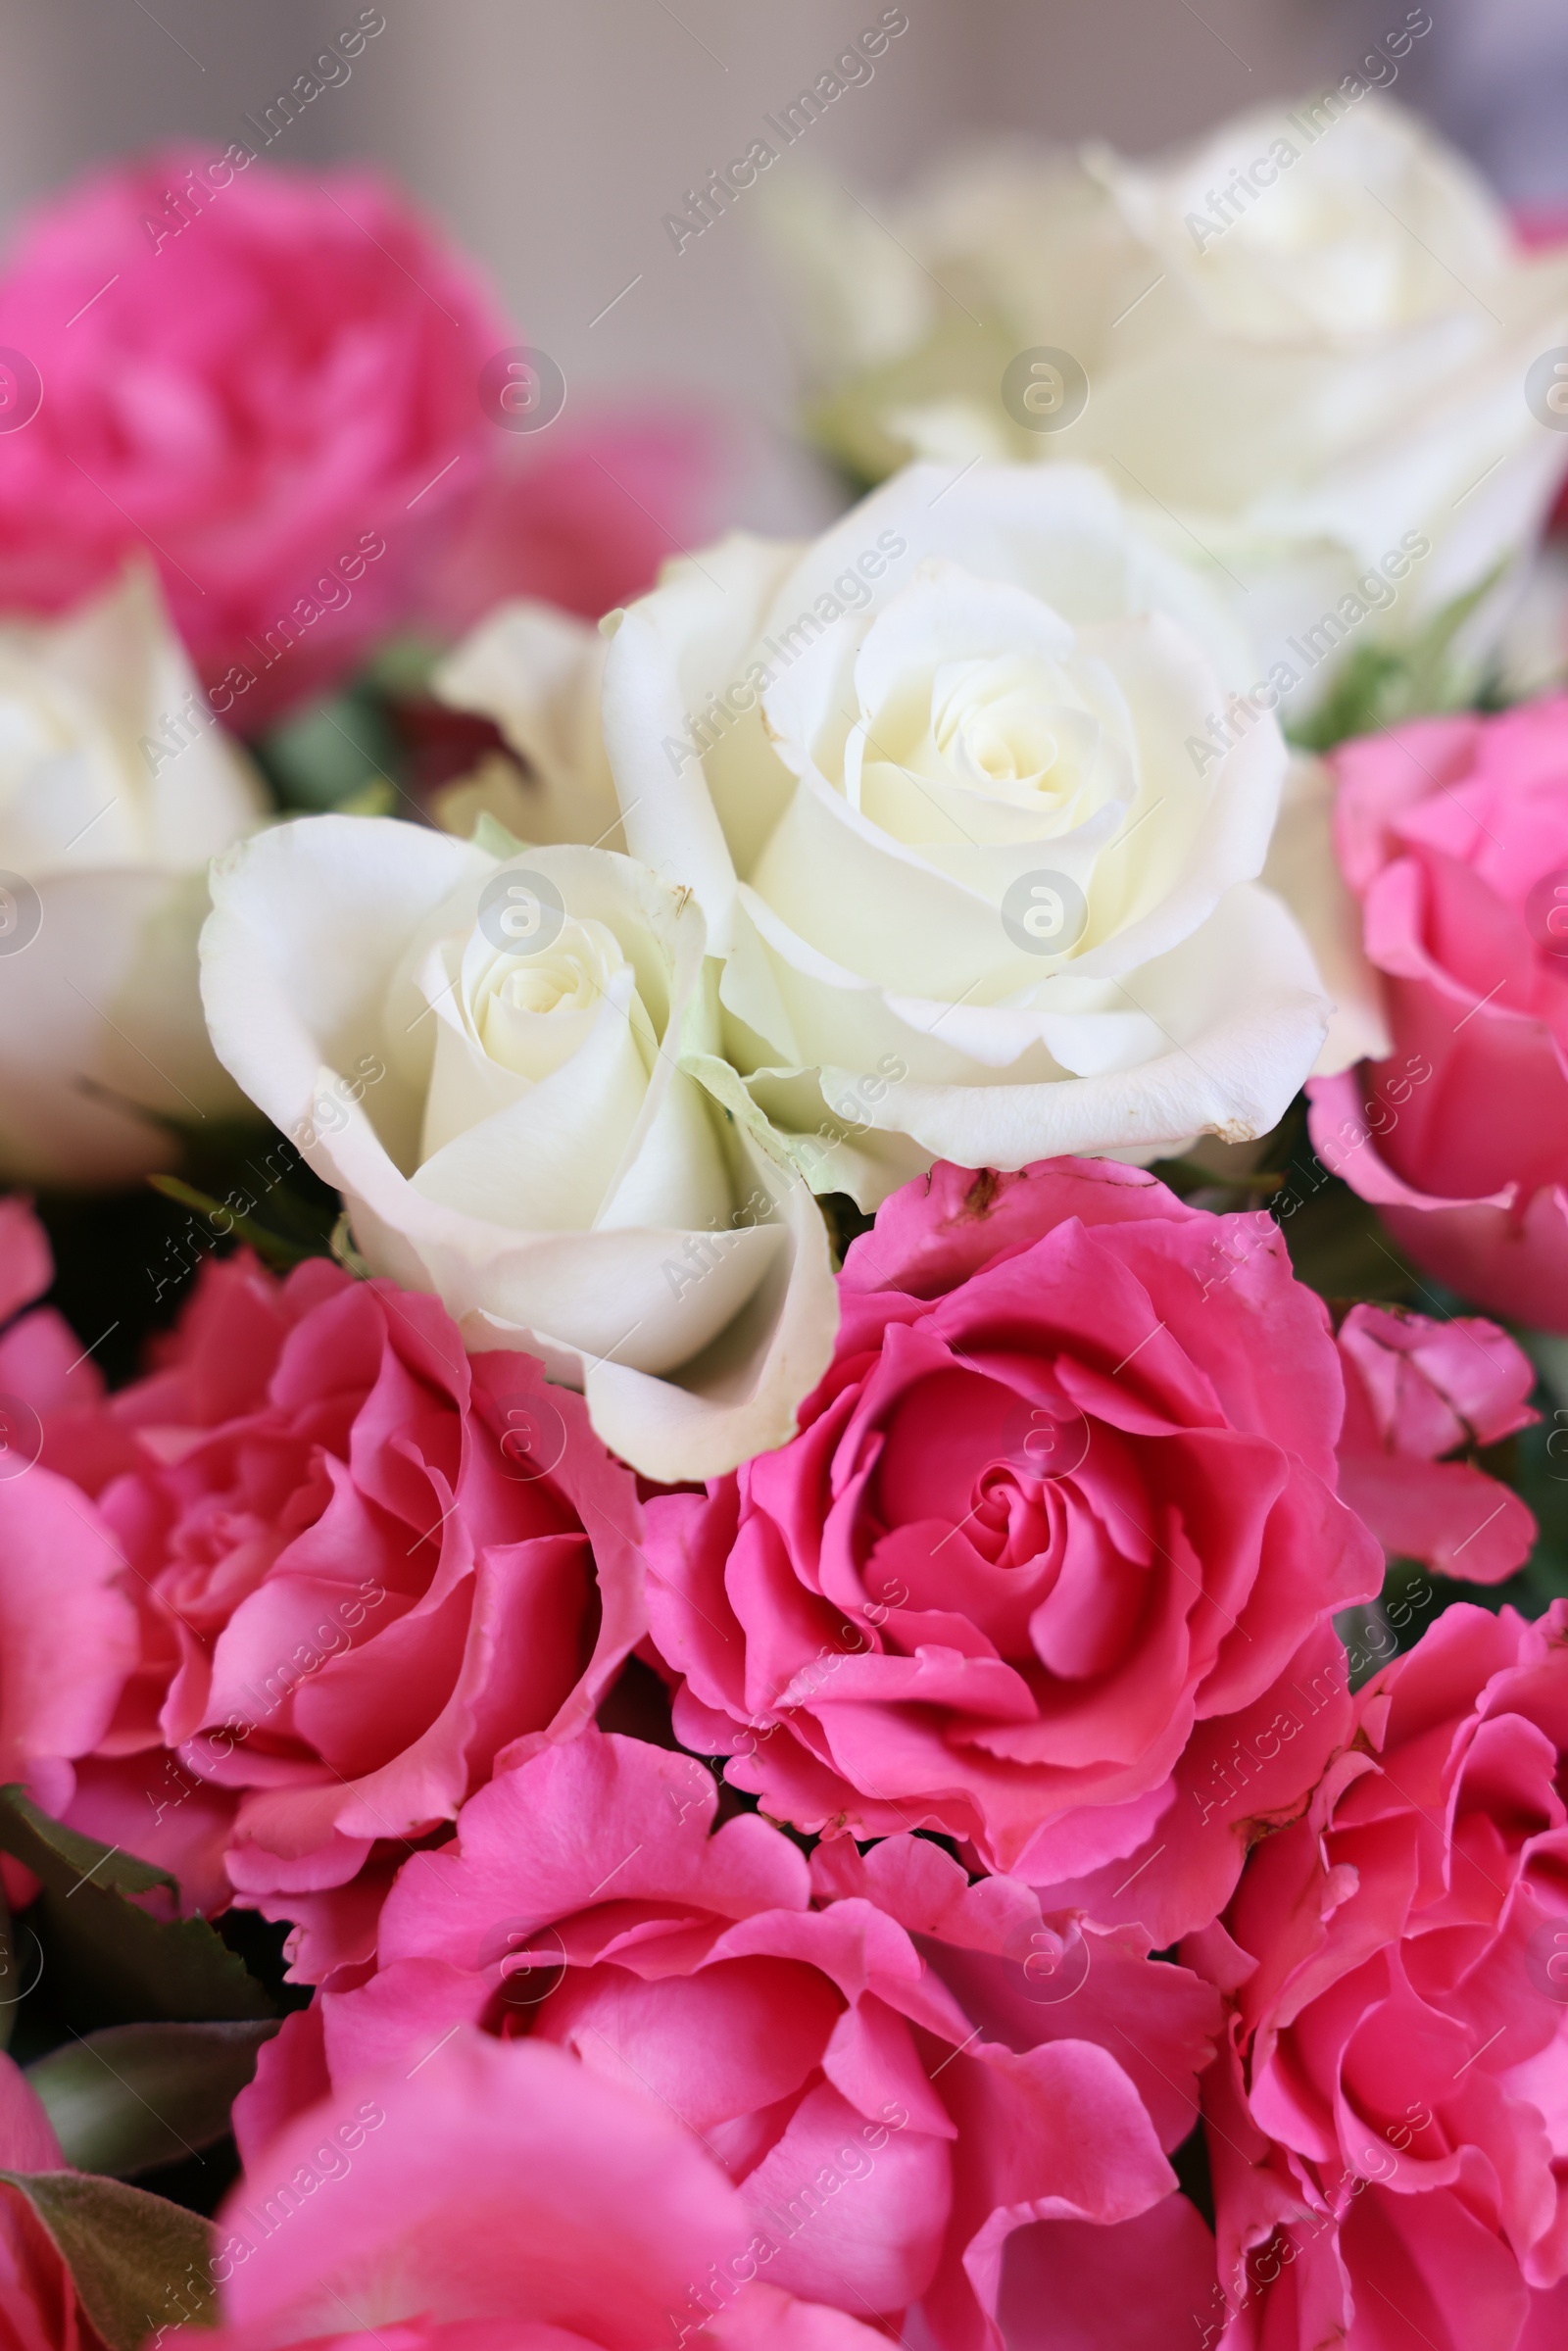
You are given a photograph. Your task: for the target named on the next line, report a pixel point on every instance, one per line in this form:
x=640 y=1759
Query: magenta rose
x=265 y=382
x=931 y=2097
x=1388 y=2128
x=365 y=1566
x=1416 y=1392
x=1052 y=1563
x=496 y=2197
x=1453 y=835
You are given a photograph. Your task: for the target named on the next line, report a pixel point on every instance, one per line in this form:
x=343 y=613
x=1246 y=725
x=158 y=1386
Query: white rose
x=982 y=887
x=536 y=671
x=1306 y=342
x=549 y=1145
x=116 y=788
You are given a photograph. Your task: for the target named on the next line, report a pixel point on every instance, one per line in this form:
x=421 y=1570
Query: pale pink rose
x=915 y=2084
x=1051 y=1564
x=1388 y=2128
x=497 y=2199
x=265 y=380
x=68 y=1631
x=1414 y=1392
x=1453 y=835
x=365 y=1566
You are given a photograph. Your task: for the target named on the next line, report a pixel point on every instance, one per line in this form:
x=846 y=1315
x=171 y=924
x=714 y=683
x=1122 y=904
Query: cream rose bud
x=117 y=785
x=936 y=782
x=555 y=1150
x=1305 y=343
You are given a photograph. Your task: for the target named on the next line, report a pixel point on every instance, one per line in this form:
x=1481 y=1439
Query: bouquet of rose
x=757 y=1563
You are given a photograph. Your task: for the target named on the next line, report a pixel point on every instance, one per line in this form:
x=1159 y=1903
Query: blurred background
x=553 y=140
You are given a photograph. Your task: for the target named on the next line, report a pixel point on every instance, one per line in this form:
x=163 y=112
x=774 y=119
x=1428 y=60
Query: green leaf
x=1381 y=685
x=317 y=758
x=138 y=2263
x=129 y=2098
x=111 y=1959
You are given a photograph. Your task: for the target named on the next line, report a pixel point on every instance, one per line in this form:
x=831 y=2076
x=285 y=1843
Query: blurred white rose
x=982 y=887
x=554 y=1150
x=1306 y=341
x=116 y=788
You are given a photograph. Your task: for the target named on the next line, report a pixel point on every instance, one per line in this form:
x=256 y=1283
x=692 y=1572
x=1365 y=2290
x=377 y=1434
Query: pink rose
x=1052 y=1563
x=364 y=1565
x=40 y=2310
x=583 y=516
x=926 y=2093
x=1414 y=1390
x=265 y=380
x=1453 y=835
x=497 y=2197
x=68 y=1631
x=1388 y=2131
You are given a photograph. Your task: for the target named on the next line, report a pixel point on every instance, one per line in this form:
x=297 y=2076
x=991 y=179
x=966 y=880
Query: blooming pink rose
x=497 y=2197
x=1414 y=1390
x=1389 y=2131
x=915 y=2085
x=68 y=1632
x=267 y=381
x=365 y=1566
x=1453 y=835
x=1052 y=1563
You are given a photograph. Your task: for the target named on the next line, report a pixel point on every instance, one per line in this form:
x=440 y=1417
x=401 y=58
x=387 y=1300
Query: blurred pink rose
x=497 y=2199
x=1453 y=834
x=915 y=2084
x=1387 y=2132
x=265 y=380
x=1051 y=1564
x=1414 y=1390
x=584 y=516
x=364 y=1564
